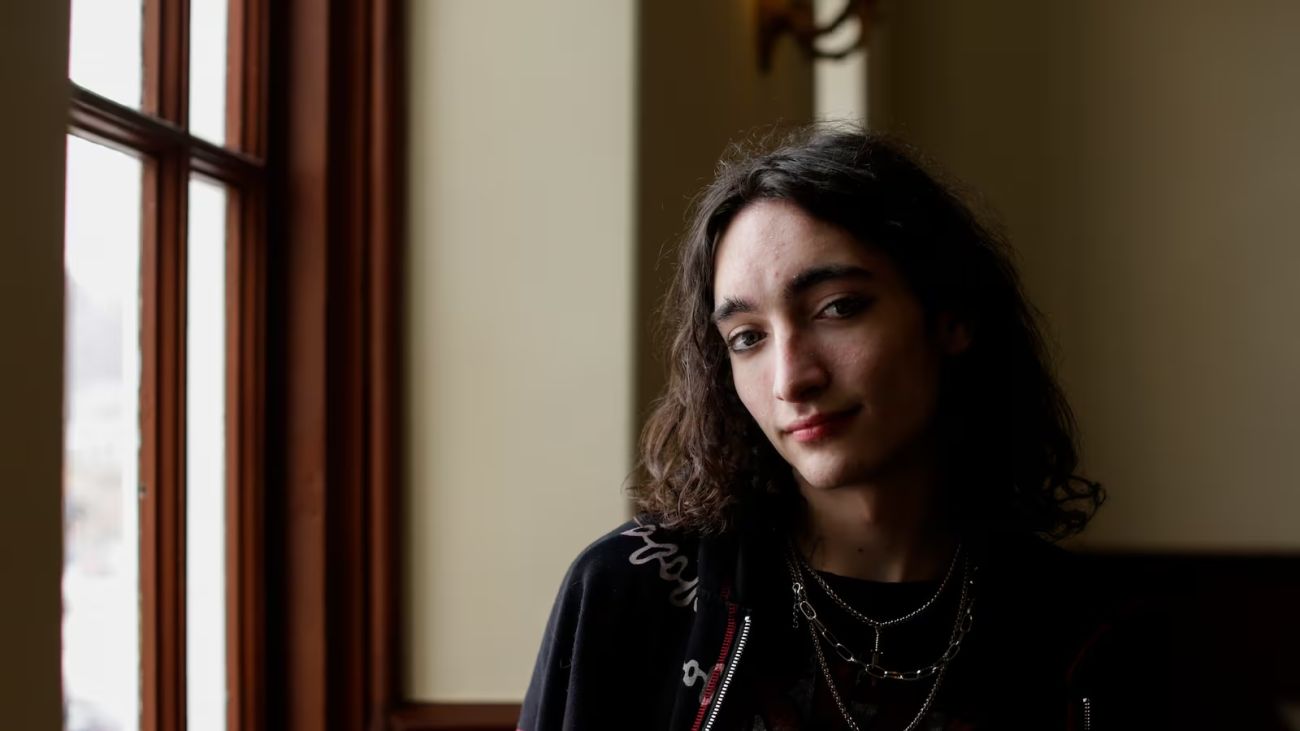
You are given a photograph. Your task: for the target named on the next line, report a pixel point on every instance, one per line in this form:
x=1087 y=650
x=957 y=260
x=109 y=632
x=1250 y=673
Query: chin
x=830 y=474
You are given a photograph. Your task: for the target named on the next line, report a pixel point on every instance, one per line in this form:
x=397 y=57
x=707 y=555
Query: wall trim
x=454 y=717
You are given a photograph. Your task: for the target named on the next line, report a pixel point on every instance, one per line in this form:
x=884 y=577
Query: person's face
x=831 y=352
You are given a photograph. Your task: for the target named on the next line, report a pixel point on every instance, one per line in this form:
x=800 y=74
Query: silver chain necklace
x=844 y=710
x=876 y=624
x=961 y=625
x=952 y=567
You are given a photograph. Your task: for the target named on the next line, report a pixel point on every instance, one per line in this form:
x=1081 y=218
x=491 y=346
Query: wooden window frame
x=333 y=357
x=170 y=155
x=335 y=402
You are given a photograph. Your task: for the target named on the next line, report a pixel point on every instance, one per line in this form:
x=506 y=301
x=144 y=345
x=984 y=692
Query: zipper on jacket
x=1087 y=714
x=731 y=671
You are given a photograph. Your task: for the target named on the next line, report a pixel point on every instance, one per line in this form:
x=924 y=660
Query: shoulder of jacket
x=1043 y=581
x=639 y=558
x=1029 y=558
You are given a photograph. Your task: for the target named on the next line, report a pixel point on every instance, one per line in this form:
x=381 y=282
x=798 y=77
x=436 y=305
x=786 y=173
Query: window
x=236 y=519
x=167 y=184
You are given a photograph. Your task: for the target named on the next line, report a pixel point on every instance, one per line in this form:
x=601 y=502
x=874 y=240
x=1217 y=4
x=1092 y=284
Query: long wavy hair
x=1007 y=435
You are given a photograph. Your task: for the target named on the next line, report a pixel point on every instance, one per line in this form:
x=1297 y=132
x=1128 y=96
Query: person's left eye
x=845 y=307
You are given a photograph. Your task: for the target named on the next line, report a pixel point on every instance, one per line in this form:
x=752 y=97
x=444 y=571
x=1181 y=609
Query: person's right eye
x=744 y=340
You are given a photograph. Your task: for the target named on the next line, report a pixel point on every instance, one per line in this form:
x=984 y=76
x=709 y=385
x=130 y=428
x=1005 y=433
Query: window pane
x=208 y=44
x=101 y=589
x=205 y=470
x=106 y=50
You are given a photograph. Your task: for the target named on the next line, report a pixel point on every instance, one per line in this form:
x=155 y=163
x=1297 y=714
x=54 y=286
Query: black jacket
x=656 y=629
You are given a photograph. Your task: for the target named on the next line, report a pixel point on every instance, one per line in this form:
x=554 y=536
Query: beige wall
x=839 y=85
x=520 y=302
x=554 y=148
x=1143 y=158
x=33 y=83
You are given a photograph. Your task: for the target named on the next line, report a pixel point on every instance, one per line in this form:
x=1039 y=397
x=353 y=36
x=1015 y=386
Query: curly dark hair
x=1007 y=434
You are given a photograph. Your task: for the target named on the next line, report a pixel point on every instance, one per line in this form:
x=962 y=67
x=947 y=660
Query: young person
x=848 y=491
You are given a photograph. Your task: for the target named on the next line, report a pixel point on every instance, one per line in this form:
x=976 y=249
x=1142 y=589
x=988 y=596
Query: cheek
x=898 y=377
x=911 y=385
x=749 y=384
x=868 y=364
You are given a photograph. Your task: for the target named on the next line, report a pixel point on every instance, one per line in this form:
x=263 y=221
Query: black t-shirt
x=791 y=693
x=1024 y=664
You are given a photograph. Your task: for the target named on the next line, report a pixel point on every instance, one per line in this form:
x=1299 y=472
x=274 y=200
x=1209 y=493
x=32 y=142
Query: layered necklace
x=803 y=606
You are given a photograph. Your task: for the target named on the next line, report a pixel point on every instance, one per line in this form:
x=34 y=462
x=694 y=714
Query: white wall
x=33 y=84
x=1144 y=159
x=520 y=313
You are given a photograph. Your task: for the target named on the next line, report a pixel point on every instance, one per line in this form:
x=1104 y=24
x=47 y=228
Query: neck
x=880 y=532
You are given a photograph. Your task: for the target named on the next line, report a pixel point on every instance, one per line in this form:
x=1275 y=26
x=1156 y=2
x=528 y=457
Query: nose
x=799 y=374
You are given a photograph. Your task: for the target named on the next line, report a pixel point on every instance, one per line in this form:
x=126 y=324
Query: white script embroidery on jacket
x=671 y=564
x=691 y=672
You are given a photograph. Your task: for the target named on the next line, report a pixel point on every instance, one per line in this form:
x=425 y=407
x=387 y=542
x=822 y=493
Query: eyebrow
x=802 y=282
x=731 y=306
x=809 y=278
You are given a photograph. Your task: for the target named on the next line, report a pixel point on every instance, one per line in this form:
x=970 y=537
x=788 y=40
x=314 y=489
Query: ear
x=954 y=335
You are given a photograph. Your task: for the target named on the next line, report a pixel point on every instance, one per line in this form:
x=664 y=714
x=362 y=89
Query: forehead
x=771 y=241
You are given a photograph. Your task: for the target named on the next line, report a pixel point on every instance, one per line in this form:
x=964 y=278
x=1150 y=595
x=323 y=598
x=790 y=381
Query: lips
x=819 y=426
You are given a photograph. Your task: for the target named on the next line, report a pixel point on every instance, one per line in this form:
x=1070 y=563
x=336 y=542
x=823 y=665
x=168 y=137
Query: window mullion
x=166 y=59
x=162 y=453
x=110 y=123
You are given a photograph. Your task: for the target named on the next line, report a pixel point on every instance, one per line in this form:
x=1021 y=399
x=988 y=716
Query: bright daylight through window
x=101 y=617
x=160 y=182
